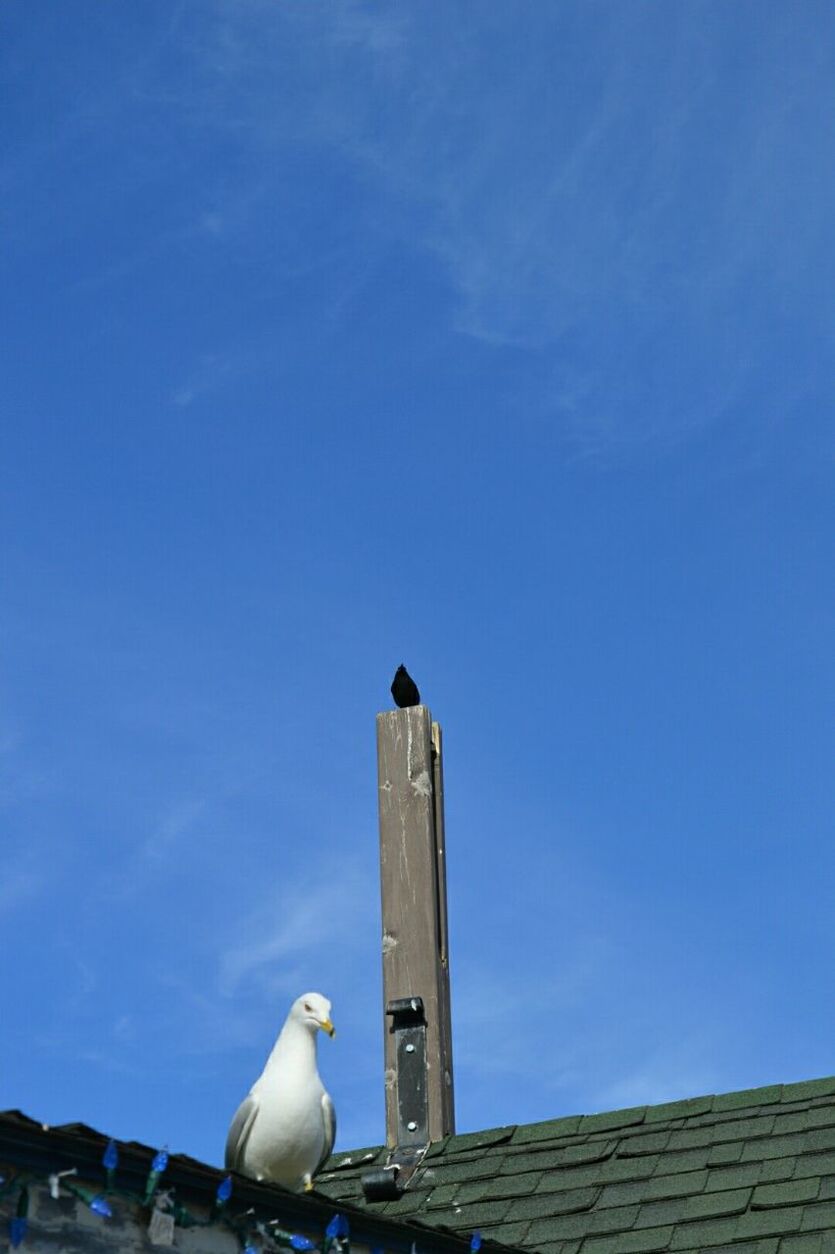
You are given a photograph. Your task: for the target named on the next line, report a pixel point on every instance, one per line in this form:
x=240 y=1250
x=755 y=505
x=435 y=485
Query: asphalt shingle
x=750 y=1173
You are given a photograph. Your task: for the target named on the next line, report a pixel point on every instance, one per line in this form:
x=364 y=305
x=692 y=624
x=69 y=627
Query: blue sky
x=496 y=339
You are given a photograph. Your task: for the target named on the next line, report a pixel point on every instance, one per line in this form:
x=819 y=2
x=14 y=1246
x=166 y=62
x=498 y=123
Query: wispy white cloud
x=669 y=1073
x=618 y=197
x=610 y=225
x=178 y=822
x=179 y=834
x=540 y=1039
x=251 y=957
x=197 y=1023
x=212 y=371
x=506 y=1019
x=308 y=920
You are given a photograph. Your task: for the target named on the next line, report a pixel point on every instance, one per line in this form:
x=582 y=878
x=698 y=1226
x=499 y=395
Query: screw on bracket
x=409 y=1028
x=408 y=1024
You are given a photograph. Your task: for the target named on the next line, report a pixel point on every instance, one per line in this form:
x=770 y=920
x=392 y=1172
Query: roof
x=40 y=1149
x=751 y=1172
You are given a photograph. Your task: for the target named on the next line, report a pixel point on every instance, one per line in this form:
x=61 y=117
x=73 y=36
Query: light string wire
x=336 y=1239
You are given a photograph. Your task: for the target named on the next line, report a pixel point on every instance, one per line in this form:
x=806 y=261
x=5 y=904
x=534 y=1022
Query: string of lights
x=166 y=1212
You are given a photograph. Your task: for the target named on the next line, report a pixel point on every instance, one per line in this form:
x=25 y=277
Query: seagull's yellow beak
x=328 y=1027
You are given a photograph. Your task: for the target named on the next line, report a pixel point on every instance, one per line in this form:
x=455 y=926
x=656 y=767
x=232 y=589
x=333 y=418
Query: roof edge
x=40 y=1148
x=602 y=1121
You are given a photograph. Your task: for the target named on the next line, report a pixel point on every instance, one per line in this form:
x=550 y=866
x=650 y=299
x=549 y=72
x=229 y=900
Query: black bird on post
x=404 y=689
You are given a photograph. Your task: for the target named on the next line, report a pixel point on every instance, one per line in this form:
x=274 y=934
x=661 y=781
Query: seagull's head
x=314 y=1011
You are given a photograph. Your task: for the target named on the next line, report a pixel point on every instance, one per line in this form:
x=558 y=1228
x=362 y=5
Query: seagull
x=285 y=1129
x=404 y=689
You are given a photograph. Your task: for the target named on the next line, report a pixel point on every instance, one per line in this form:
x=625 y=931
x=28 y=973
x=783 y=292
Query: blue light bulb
x=17 y=1230
x=250 y=1249
x=338 y=1227
x=224 y=1189
x=475 y=1242
x=111 y=1156
x=301 y=1243
x=160 y=1161
x=101 y=1206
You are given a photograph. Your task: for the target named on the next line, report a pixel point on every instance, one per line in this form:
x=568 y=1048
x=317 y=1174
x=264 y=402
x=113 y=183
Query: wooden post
x=413 y=886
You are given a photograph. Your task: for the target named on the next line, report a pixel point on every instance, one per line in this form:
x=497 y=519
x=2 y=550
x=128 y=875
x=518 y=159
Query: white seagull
x=285 y=1129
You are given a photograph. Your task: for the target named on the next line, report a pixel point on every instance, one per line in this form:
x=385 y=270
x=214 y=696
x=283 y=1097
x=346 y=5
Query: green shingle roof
x=750 y=1172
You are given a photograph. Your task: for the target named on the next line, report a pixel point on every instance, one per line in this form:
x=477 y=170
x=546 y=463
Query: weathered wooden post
x=415 y=947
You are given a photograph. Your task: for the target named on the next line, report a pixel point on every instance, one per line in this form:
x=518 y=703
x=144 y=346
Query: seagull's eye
x=307 y=1007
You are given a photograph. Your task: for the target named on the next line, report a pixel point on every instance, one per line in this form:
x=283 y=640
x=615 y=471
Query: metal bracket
x=408 y=1024
x=409 y=1028
x=389 y=1182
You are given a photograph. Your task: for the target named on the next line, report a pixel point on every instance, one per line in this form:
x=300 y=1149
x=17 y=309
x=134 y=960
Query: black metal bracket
x=408 y=1024
x=387 y=1183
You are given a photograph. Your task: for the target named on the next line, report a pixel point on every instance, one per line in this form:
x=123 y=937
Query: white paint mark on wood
x=422 y=785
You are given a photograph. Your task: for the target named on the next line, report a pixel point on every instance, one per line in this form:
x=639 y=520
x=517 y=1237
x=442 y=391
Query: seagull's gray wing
x=329 y=1124
x=239 y=1133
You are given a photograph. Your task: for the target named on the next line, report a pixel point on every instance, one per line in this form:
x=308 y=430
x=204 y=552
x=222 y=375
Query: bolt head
x=411 y=1125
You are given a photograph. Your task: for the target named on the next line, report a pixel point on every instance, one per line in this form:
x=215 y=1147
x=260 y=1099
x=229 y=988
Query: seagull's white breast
x=288 y=1137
